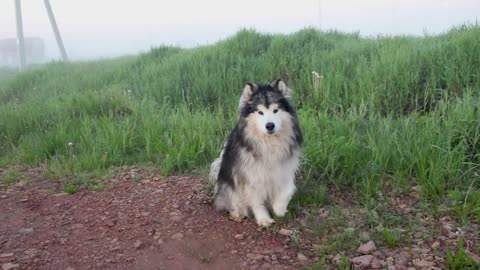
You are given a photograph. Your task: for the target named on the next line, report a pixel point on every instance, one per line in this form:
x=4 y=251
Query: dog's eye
x=275 y=111
x=260 y=112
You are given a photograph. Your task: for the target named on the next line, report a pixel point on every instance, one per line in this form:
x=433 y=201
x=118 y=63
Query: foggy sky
x=93 y=28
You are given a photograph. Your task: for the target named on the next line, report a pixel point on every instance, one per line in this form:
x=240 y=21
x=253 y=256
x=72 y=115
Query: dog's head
x=267 y=106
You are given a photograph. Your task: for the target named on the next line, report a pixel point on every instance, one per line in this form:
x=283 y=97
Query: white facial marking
x=268 y=120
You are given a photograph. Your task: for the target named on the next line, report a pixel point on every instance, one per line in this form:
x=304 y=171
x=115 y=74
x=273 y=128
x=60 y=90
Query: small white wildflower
x=70 y=144
x=129 y=91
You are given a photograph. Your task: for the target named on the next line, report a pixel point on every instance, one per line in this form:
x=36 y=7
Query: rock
x=403 y=258
x=177 y=236
x=240 y=236
x=6 y=255
x=110 y=223
x=377 y=263
x=302 y=257
x=8 y=266
x=138 y=244
x=25 y=231
x=337 y=259
x=233 y=252
x=422 y=263
x=367 y=248
x=266 y=266
x=253 y=256
x=362 y=261
x=285 y=232
x=323 y=213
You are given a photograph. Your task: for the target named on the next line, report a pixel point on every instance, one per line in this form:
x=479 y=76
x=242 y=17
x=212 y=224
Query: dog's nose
x=270 y=126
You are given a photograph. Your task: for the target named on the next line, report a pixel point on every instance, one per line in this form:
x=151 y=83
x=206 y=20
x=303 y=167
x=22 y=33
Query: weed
x=10 y=176
x=460 y=260
x=205 y=258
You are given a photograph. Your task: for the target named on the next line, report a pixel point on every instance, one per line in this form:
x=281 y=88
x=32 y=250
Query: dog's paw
x=237 y=217
x=265 y=222
x=280 y=212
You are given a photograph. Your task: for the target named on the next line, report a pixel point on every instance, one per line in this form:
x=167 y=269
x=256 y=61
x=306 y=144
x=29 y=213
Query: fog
x=95 y=29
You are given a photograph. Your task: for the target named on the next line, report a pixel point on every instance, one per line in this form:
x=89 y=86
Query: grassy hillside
x=398 y=109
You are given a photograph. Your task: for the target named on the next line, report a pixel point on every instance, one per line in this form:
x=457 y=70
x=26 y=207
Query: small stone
x=110 y=223
x=177 y=236
x=6 y=255
x=301 y=257
x=240 y=236
x=363 y=260
x=8 y=266
x=138 y=244
x=25 y=231
x=160 y=241
x=285 y=232
x=266 y=266
x=323 y=213
x=377 y=263
x=422 y=263
x=367 y=248
x=253 y=256
x=337 y=258
x=233 y=252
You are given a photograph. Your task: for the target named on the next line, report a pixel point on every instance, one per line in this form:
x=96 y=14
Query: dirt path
x=149 y=223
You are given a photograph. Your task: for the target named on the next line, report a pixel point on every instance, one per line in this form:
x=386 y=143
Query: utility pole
x=20 y=41
x=55 y=30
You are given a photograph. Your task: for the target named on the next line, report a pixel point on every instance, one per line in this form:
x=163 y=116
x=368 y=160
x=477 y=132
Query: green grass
x=402 y=109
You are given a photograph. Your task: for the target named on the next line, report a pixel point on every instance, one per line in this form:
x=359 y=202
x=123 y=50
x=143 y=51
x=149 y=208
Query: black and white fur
x=256 y=169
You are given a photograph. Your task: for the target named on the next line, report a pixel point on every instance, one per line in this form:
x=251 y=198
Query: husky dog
x=256 y=168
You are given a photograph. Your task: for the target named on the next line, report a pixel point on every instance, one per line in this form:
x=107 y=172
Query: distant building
x=34 y=51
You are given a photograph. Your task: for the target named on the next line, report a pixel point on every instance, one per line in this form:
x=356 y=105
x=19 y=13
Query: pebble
x=367 y=248
x=266 y=266
x=285 y=232
x=8 y=266
x=240 y=236
x=177 y=236
x=25 y=231
x=301 y=257
x=138 y=244
x=363 y=260
x=422 y=263
x=5 y=255
x=253 y=256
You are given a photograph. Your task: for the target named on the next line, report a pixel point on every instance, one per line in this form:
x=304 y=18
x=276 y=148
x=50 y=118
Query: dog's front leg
x=281 y=199
x=256 y=199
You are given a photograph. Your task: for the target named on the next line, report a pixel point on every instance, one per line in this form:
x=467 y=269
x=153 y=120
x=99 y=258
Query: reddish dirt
x=149 y=223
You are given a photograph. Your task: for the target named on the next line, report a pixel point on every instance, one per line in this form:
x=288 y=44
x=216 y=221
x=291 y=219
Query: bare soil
x=138 y=221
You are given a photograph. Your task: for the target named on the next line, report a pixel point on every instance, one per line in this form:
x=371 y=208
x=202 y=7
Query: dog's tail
x=215 y=167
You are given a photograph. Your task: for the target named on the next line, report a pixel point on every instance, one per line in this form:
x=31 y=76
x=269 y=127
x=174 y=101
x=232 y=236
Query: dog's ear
x=248 y=90
x=281 y=86
x=247 y=93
